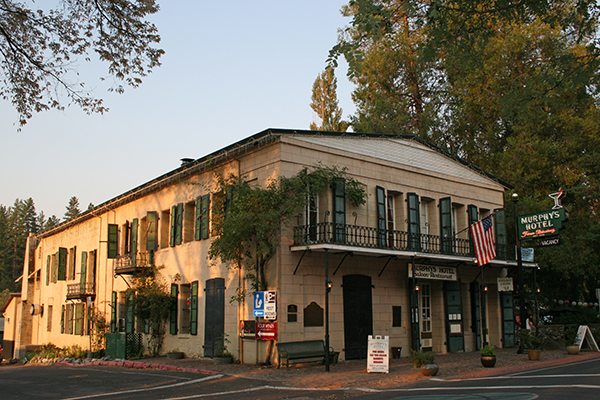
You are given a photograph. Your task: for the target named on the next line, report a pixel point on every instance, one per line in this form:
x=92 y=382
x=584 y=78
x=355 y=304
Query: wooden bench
x=307 y=350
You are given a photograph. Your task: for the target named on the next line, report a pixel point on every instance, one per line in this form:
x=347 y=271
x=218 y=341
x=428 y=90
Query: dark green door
x=508 y=319
x=358 y=315
x=478 y=317
x=454 y=317
x=214 y=317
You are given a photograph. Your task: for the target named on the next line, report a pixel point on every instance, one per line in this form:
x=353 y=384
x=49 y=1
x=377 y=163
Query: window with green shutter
x=48 y=258
x=176 y=224
x=339 y=210
x=113 y=241
x=473 y=216
x=381 y=214
x=194 y=309
x=129 y=318
x=152 y=235
x=62 y=264
x=414 y=221
x=445 y=206
x=133 y=237
x=204 y=223
x=501 y=239
x=79 y=318
x=62 y=319
x=83 y=273
x=173 y=313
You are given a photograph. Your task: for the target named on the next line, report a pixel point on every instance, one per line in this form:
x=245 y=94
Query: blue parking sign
x=259 y=304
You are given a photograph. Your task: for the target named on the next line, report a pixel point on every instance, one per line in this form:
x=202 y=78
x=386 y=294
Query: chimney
x=185 y=161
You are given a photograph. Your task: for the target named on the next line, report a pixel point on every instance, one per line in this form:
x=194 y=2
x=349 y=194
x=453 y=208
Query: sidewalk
x=353 y=373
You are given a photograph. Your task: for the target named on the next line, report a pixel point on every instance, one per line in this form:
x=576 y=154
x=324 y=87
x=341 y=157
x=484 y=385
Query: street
x=580 y=380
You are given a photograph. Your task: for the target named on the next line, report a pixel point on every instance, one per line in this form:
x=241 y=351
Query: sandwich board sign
x=378 y=354
x=583 y=333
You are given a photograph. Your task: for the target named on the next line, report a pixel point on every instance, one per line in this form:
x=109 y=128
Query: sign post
x=378 y=354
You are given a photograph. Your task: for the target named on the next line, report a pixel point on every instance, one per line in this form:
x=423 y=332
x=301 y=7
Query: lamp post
x=522 y=310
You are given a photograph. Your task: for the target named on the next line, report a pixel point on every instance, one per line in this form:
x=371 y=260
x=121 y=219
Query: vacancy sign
x=378 y=354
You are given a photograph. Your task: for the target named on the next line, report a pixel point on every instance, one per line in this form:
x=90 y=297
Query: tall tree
x=512 y=86
x=325 y=103
x=51 y=222
x=72 y=209
x=38 y=48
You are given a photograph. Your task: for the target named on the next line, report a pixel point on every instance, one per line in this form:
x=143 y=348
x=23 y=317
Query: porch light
x=417 y=288
x=329 y=285
x=485 y=288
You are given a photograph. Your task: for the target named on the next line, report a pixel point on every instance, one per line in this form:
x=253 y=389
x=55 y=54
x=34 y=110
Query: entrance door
x=358 y=315
x=508 y=319
x=478 y=317
x=214 y=317
x=425 y=313
x=454 y=323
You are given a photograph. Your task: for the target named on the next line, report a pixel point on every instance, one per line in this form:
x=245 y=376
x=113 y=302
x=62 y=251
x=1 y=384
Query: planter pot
x=573 y=349
x=488 y=361
x=534 y=354
x=175 y=355
x=429 y=369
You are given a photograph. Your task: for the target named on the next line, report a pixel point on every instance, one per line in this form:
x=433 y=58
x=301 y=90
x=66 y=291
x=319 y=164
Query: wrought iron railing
x=80 y=290
x=126 y=264
x=370 y=237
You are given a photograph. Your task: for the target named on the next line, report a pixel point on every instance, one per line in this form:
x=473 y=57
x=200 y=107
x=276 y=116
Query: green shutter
x=113 y=312
x=414 y=221
x=48 y=270
x=152 y=236
x=194 y=309
x=62 y=264
x=446 y=238
x=501 y=239
x=173 y=225
x=134 y=239
x=472 y=214
x=79 y=319
x=83 y=275
x=204 y=231
x=179 y=224
x=129 y=314
x=173 y=313
x=198 y=222
x=55 y=267
x=113 y=240
x=62 y=319
x=381 y=211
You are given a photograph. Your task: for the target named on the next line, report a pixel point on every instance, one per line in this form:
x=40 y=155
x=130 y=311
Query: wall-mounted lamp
x=329 y=286
x=417 y=288
x=485 y=288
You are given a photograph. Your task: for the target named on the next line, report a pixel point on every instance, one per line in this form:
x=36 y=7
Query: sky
x=231 y=69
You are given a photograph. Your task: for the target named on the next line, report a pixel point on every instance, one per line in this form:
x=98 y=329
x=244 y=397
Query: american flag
x=482 y=236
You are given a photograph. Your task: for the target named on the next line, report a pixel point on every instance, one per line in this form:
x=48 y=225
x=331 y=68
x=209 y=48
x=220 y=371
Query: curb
x=138 y=365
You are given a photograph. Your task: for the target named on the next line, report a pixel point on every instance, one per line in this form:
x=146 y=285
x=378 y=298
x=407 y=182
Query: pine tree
x=325 y=104
x=72 y=209
x=51 y=222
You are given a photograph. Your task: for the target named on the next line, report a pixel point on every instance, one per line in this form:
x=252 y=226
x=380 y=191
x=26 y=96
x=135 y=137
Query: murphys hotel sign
x=544 y=223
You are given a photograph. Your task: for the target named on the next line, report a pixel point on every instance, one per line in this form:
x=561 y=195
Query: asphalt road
x=576 y=381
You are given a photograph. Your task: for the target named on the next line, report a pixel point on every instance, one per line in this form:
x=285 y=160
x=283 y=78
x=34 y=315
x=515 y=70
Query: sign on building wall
x=505 y=284
x=378 y=354
x=266 y=330
x=437 y=272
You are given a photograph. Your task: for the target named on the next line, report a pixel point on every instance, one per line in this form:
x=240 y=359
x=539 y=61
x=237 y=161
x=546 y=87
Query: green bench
x=306 y=350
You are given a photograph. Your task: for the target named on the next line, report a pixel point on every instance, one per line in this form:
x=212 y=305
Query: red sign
x=266 y=330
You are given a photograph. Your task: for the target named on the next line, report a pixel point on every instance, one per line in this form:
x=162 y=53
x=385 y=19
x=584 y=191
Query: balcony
x=365 y=237
x=81 y=290
x=127 y=265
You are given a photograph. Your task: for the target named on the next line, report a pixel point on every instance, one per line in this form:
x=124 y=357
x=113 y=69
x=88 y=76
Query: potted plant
x=488 y=356
x=426 y=361
x=573 y=341
x=533 y=343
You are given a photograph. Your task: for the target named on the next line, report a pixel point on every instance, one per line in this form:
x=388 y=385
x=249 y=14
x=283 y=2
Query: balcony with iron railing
x=128 y=265
x=373 y=238
x=81 y=290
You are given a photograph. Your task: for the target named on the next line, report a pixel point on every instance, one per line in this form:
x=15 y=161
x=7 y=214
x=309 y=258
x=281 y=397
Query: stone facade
x=368 y=266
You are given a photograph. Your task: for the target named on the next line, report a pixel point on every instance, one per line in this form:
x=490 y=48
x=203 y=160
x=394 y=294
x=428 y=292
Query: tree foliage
x=39 y=49
x=325 y=104
x=247 y=219
x=512 y=86
x=72 y=208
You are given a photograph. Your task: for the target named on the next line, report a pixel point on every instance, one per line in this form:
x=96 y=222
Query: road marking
x=91 y=396
x=489 y=378
x=554 y=367
x=134 y=373
x=264 y=387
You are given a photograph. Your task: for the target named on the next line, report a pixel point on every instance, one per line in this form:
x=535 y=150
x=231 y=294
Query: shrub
x=488 y=351
x=420 y=358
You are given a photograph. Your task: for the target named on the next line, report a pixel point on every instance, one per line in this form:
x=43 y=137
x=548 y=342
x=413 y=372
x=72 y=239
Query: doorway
x=214 y=318
x=358 y=315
